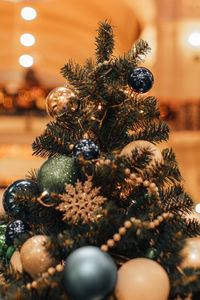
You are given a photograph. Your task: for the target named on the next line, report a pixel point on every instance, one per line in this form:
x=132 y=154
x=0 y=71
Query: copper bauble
x=190 y=254
x=156 y=155
x=59 y=100
x=34 y=255
x=15 y=262
x=142 y=279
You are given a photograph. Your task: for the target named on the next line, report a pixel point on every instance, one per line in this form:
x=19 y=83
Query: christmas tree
x=105 y=217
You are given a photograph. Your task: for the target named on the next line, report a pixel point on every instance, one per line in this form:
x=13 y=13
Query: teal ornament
x=151 y=253
x=56 y=172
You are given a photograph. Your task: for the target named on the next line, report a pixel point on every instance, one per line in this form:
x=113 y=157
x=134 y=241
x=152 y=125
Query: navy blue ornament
x=14 y=229
x=10 y=203
x=87 y=149
x=89 y=273
x=140 y=80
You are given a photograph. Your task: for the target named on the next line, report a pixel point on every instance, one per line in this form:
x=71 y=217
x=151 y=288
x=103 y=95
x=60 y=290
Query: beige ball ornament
x=15 y=262
x=142 y=279
x=34 y=255
x=140 y=145
x=190 y=254
x=59 y=100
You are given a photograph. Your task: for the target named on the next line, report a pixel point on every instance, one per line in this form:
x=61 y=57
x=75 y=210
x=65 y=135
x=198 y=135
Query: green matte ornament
x=151 y=253
x=56 y=172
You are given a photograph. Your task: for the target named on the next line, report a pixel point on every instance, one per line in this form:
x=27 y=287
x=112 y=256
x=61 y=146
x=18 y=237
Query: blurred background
x=38 y=37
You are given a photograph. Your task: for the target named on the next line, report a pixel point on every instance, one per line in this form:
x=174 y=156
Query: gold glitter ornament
x=60 y=100
x=35 y=257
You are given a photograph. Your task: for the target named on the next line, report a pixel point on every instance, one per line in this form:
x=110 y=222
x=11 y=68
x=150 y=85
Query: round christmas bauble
x=15 y=262
x=34 y=255
x=142 y=279
x=151 y=253
x=140 y=80
x=56 y=172
x=89 y=273
x=87 y=149
x=59 y=100
x=190 y=253
x=14 y=229
x=141 y=145
x=10 y=203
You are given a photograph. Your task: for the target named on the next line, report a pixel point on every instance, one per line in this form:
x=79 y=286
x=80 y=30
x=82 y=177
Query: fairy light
x=99 y=107
x=197 y=208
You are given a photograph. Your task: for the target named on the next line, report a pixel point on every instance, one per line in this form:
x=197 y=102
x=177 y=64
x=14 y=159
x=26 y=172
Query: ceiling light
x=26 y=60
x=194 y=39
x=28 y=13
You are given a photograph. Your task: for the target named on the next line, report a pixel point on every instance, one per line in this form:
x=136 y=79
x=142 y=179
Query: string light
x=197 y=208
x=27 y=39
x=28 y=13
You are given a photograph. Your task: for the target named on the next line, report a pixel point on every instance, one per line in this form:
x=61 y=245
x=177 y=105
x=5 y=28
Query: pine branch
x=104 y=42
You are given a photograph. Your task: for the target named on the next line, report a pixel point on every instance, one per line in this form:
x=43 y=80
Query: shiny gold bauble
x=140 y=145
x=60 y=100
x=142 y=279
x=34 y=255
x=190 y=254
x=15 y=262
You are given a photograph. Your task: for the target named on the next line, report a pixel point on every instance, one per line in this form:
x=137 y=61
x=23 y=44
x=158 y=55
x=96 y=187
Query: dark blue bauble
x=14 y=229
x=10 y=204
x=87 y=149
x=140 y=80
x=89 y=273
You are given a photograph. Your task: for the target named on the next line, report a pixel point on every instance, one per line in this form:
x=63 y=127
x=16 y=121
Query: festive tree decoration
x=190 y=254
x=34 y=257
x=87 y=149
x=89 y=273
x=155 y=155
x=3 y=245
x=15 y=262
x=14 y=229
x=10 y=204
x=81 y=203
x=57 y=171
x=142 y=279
x=140 y=80
x=106 y=198
x=59 y=100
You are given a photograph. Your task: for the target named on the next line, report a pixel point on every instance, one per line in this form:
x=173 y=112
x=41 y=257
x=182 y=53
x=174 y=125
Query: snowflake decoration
x=81 y=202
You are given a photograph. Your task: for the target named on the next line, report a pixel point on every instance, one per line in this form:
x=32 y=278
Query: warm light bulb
x=194 y=39
x=28 y=13
x=26 y=60
x=197 y=208
x=27 y=39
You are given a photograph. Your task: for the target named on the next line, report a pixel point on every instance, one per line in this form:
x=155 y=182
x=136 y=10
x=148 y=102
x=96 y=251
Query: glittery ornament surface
x=15 y=229
x=140 y=80
x=11 y=204
x=3 y=245
x=59 y=100
x=57 y=171
x=87 y=149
